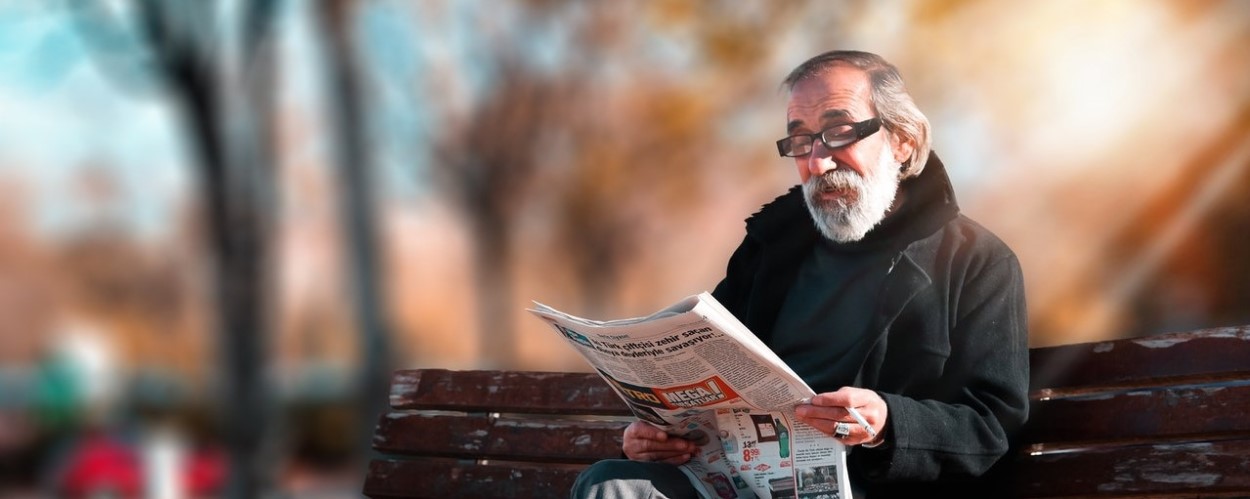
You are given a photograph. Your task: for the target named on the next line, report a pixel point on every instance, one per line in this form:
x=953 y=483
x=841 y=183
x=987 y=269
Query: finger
x=676 y=445
x=857 y=397
x=857 y=434
x=869 y=404
x=643 y=429
x=839 y=398
x=815 y=412
x=824 y=425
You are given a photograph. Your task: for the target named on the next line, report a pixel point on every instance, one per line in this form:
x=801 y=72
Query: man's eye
x=839 y=132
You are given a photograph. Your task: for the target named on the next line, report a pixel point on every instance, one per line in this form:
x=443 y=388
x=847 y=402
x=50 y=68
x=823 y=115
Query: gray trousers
x=622 y=478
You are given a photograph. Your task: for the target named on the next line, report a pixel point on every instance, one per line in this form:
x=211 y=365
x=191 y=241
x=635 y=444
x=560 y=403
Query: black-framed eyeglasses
x=833 y=137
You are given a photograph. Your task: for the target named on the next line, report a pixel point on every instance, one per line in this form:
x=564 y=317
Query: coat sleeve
x=964 y=428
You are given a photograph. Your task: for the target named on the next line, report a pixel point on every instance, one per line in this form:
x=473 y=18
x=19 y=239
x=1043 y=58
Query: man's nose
x=820 y=160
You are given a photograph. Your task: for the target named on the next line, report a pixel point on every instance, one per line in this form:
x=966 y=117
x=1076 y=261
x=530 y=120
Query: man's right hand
x=645 y=442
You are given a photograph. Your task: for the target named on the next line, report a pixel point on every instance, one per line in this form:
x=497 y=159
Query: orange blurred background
x=407 y=177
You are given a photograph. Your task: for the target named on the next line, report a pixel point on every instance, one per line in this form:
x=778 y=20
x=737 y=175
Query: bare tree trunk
x=228 y=113
x=492 y=268
x=359 y=217
x=487 y=178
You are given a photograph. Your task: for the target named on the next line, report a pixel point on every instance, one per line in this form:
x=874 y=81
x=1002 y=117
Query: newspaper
x=697 y=372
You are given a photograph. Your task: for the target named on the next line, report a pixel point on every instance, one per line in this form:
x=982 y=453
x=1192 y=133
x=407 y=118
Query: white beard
x=849 y=217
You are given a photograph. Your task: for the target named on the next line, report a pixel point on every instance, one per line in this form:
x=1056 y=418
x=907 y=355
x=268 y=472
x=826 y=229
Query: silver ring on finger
x=841 y=430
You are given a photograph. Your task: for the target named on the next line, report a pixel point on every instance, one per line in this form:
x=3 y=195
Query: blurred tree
x=487 y=155
x=354 y=163
x=652 y=143
x=569 y=95
x=216 y=62
x=487 y=158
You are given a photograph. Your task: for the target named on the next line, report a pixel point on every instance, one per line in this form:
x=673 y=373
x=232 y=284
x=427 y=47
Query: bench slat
x=440 y=478
x=1186 y=470
x=1209 y=355
x=1163 y=416
x=1141 y=416
x=481 y=437
x=505 y=391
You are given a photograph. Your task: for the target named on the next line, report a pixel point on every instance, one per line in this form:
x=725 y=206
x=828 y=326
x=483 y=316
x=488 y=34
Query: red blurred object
x=205 y=472
x=103 y=464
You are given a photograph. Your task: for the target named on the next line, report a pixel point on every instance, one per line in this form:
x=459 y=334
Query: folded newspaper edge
x=696 y=371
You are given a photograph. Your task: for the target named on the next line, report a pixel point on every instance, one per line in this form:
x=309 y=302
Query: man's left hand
x=829 y=408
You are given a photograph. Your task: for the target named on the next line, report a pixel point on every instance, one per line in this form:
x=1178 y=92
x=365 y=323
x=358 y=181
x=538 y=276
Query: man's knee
x=622 y=478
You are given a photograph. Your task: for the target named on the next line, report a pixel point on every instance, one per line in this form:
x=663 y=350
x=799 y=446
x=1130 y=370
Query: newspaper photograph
x=697 y=372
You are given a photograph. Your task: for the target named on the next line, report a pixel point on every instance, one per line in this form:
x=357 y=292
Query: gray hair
x=890 y=100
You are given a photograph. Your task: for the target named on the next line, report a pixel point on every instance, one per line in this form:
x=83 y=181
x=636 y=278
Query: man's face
x=849 y=189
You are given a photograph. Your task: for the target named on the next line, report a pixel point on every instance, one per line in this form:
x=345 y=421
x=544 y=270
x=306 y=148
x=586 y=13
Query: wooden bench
x=1163 y=416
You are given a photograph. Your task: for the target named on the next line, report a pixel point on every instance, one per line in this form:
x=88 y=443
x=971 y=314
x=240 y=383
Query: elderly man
x=868 y=282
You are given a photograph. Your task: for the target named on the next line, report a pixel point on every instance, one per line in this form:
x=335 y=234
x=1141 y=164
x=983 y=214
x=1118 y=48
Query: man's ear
x=902 y=148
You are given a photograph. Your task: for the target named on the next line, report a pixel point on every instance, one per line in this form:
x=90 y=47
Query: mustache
x=835 y=180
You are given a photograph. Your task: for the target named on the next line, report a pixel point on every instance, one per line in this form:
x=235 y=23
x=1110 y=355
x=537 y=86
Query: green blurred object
x=57 y=403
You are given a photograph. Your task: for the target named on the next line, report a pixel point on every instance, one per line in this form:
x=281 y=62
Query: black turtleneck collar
x=928 y=203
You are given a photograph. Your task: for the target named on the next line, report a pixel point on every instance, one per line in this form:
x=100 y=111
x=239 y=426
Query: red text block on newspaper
x=710 y=391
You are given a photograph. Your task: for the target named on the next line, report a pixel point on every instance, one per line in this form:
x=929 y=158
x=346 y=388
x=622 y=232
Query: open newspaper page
x=696 y=371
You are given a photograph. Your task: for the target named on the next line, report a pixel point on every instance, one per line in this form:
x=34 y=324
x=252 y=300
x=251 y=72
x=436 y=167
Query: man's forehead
x=838 y=93
x=827 y=116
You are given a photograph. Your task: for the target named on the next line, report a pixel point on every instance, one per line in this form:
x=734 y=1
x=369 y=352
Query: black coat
x=951 y=354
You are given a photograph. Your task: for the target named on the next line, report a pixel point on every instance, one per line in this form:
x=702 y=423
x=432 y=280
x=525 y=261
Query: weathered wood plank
x=1194 y=356
x=505 y=391
x=1141 y=416
x=1089 y=399
x=440 y=478
x=1186 y=470
x=480 y=437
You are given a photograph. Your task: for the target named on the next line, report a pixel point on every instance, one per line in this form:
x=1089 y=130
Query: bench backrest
x=1157 y=416
x=493 y=433
x=1167 y=414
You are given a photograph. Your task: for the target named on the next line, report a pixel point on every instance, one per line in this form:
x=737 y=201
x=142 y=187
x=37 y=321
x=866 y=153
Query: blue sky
x=58 y=113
